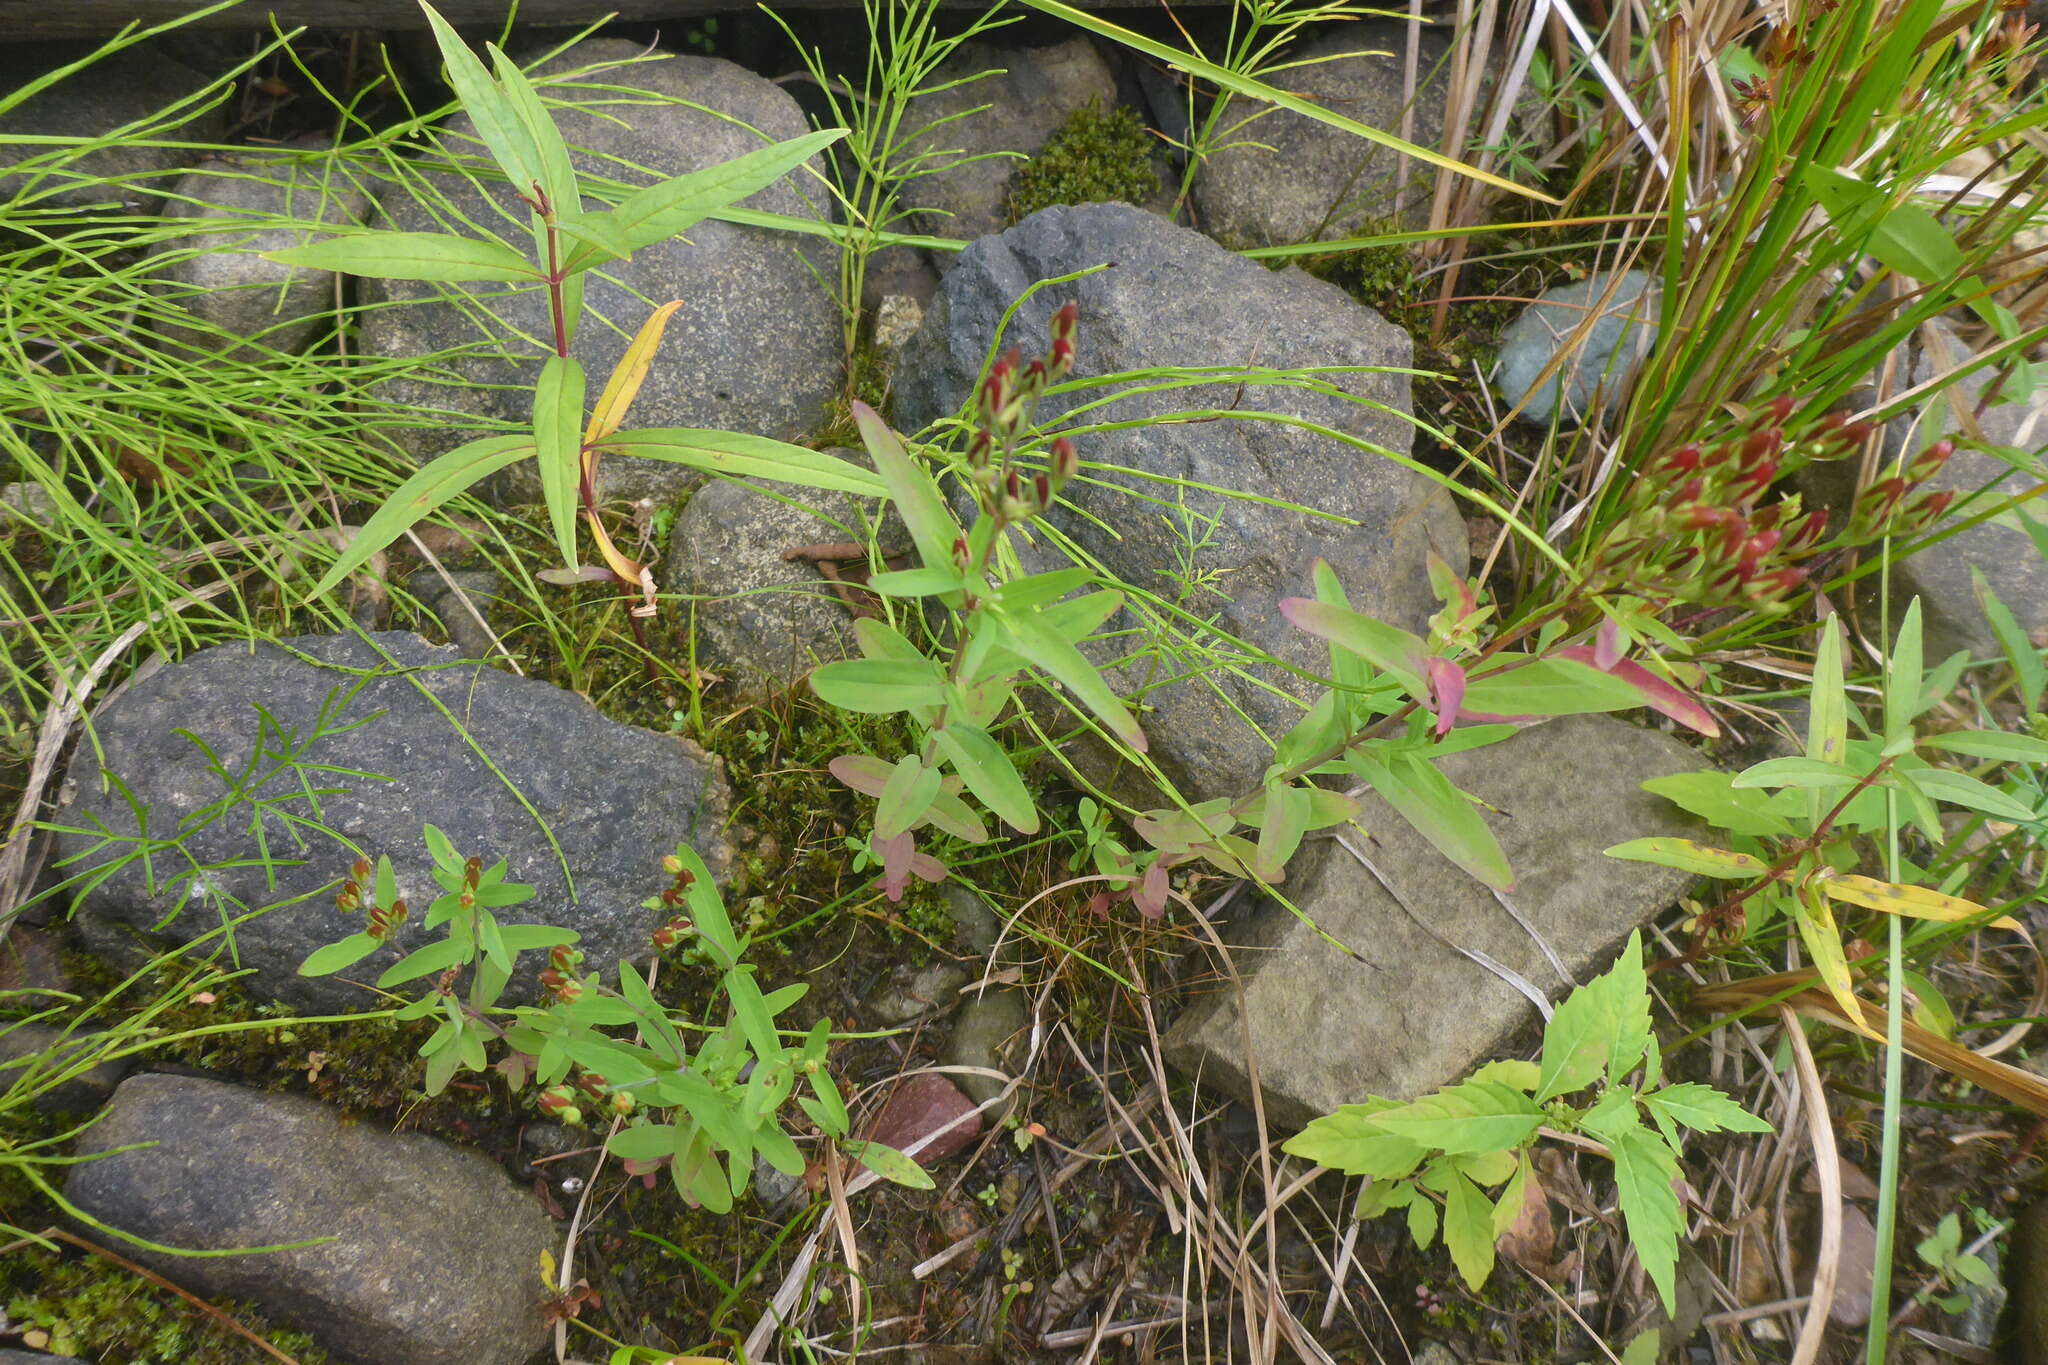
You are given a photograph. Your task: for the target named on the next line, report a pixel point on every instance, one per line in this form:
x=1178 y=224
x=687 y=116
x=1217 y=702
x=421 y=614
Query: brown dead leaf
x=1531 y=1240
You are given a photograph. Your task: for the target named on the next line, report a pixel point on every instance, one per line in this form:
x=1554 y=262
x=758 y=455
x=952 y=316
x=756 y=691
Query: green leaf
x=660 y=211
x=1993 y=744
x=1468 y=1231
x=643 y=1142
x=440 y=849
x=1421 y=1221
x=1712 y=797
x=1390 y=649
x=1575 y=1043
x=1827 y=721
x=1477 y=1116
x=335 y=956
x=2029 y=673
x=488 y=107
x=905 y=797
x=1644 y=1169
x=1645 y=1348
x=1703 y=1109
x=600 y=237
x=917 y=582
x=890 y=1164
x=1810 y=773
x=435 y=957
x=738 y=455
x=1028 y=638
x=1075 y=621
x=557 y=431
x=1040 y=589
x=989 y=774
x=1687 y=856
x=1902 y=678
x=916 y=496
x=1626 y=987
x=436 y=256
x=1350 y=1141
x=1550 y=687
x=1960 y=789
x=880 y=687
x=437 y=482
x=1439 y=812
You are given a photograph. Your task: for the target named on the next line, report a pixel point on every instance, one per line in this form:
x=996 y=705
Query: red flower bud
x=979 y=449
x=359 y=871
x=1041 y=491
x=1929 y=461
x=1780 y=407
x=1066 y=322
x=1066 y=461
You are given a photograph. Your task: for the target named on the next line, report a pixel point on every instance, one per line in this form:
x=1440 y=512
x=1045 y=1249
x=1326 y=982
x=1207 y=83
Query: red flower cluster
x=1697 y=529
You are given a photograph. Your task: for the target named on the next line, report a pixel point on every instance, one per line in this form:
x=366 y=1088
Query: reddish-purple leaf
x=1607 y=646
x=1150 y=897
x=865 y=774
x=1657 y=694
x=1446 y=693
x=897 y=855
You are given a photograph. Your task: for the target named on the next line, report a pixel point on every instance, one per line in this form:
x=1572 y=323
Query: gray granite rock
x=765 y=620
x=217 y=275
x=1410 y=1013
x=756 y=345
x=1174 y=297
x=133 y=84
x=1619 y=341
x=337 y=747
x=13 y=1357
x=1038 y=89
x=910 y=992
x=2000 y=549
x=435 y=1257
x=1286 y=177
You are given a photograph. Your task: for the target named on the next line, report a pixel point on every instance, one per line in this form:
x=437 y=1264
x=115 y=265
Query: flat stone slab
x=1410 y=1013
x=434 y=1257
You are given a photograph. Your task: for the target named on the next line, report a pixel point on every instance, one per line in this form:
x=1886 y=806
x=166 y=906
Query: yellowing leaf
x=1916 y=901
x=1687 y=856
x=1823 y=941
x=624 y=385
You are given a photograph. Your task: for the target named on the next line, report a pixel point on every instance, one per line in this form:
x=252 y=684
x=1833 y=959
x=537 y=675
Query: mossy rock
x=1098 y=156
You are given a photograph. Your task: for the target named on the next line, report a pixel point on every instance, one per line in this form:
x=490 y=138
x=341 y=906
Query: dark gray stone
x=130 y=85
x=1287 y=178
x=756 y=345
x=1174 y=297
x=13 y=1357
x=1038 y=89
x=48 y=1049
x=910 y=992
x=435 y=1257
x=617 y=799
x=1330 y=1029
x=1601 y=367
x=767 y=621
x=218 y=275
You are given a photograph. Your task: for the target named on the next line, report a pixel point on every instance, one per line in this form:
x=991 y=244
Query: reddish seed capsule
x=360 y=872
x=671 y=864
x=1780 y=407
x=1929 y=461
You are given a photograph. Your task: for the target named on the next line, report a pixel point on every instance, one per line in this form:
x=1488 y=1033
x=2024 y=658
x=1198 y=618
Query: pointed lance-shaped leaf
x=557 y=417
x=437 y=256
x=435 y=483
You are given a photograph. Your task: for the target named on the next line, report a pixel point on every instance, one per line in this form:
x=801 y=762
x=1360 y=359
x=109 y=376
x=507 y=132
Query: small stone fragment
x=1603 y=365
x=924 y=1104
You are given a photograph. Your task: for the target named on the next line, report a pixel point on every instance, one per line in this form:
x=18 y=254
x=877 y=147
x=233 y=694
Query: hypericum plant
x=1001 y=628
x=1792 y=824
x=683 y=1107
x=1390 y=714
x=568 y=241
x=1452 y=1147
